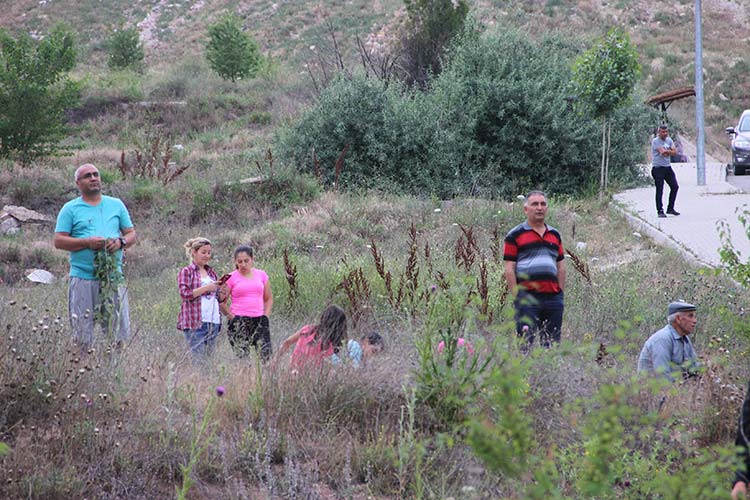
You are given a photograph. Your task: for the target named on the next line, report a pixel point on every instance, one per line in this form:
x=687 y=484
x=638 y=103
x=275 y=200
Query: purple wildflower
x=220 y=391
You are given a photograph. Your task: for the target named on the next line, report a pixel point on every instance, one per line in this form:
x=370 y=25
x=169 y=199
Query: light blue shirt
x=81 y=220
x=355 y=354
x=658 y=160
x=666 y=352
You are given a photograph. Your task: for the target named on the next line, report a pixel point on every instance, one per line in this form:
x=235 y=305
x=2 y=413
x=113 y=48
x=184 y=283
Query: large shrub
x=231 y=52
x=497 y=121
x=351 y=111
x=35 y=92
x=509 y=98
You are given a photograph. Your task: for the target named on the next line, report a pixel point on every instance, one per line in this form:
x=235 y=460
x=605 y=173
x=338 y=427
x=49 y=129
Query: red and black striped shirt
x=536 y=257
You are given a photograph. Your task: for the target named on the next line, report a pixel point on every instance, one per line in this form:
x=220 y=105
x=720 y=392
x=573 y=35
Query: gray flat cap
x=679 y=306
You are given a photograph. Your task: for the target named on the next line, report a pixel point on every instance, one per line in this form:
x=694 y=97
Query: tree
x=605 y=76
x=232 y=53
x=35 y=91
x=124 y=49
x=430 y=26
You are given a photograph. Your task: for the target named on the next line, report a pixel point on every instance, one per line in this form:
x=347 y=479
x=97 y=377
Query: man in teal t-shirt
x=86 y=226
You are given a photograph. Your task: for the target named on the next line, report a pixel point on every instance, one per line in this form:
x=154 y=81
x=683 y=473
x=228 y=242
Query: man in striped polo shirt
x=535 y=273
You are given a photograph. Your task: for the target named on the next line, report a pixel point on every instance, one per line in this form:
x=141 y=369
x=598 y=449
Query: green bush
x=124 y=49
x=232 y=53
x=449 y=382
x=497 y=121
x=351 y=111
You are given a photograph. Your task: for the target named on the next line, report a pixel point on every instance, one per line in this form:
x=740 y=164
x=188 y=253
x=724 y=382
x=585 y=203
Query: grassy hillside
x=664 y=33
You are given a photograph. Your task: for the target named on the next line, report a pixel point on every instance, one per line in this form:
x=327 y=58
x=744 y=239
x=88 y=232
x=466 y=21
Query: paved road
x=695 y=231
x=740 y=181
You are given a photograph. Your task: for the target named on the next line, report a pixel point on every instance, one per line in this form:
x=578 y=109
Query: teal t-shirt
x=81 y=220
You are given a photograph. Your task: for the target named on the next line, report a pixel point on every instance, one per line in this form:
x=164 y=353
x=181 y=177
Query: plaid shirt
x=188 y=280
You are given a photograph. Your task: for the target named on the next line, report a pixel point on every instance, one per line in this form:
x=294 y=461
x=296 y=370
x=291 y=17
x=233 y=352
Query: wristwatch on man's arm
x=122 y=242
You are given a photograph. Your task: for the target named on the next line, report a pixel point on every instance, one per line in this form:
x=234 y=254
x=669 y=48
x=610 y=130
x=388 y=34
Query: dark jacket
x=743 y=441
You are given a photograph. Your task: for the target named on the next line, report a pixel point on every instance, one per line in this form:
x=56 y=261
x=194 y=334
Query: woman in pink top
x=249 y=305
x=315 y=343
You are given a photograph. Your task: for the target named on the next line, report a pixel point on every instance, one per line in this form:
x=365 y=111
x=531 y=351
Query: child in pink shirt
x=249 y=305
x=315 y=343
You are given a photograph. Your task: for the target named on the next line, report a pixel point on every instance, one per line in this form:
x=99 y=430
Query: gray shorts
x=84 y=300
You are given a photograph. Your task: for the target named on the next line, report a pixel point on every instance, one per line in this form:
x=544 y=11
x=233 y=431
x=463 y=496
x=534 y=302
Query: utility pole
x=700 y=160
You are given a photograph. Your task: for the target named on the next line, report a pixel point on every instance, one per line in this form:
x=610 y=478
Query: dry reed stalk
x=291 y=278
x=153 y=164
x=484 y=291
x=377 y=257
x=580 y=266
x=441 y=281
x=357 y=290
x=459 y=251
x=411 y=272
x=495 y=245
x=467 y=248
x=503 y=295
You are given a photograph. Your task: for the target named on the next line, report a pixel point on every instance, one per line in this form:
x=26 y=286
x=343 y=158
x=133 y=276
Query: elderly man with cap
x=669 y=350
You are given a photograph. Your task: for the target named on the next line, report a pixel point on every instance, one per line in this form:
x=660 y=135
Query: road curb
x=657 y=236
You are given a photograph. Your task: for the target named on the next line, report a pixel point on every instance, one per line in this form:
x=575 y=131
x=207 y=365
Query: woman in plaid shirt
x=199 y=287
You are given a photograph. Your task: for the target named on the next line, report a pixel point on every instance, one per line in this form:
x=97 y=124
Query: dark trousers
x=245 y=332
x=539 y=312
x=660 y=175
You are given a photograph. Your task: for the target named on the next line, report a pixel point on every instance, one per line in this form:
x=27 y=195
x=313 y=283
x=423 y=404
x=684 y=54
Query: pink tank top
x=247 y=293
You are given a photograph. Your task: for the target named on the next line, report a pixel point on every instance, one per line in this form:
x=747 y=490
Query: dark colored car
x=741 y=144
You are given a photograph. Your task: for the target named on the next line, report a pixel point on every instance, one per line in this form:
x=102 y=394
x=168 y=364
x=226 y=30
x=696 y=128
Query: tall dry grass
x=113 y=423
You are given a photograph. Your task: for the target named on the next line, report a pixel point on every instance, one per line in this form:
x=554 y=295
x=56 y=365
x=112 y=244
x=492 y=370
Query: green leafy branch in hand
x=109 y=277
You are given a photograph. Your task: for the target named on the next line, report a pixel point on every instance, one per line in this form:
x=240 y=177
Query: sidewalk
x=694 y=232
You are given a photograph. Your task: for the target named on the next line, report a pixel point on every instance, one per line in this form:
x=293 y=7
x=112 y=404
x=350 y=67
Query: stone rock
x=40 y=276
x=24 y=215
x=9 y=225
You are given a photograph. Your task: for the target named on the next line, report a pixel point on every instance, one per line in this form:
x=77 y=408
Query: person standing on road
x=662 y=149
x=95 y=229
x=535 y=273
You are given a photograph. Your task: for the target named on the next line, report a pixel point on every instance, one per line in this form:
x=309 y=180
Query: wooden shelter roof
x=672 y=95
